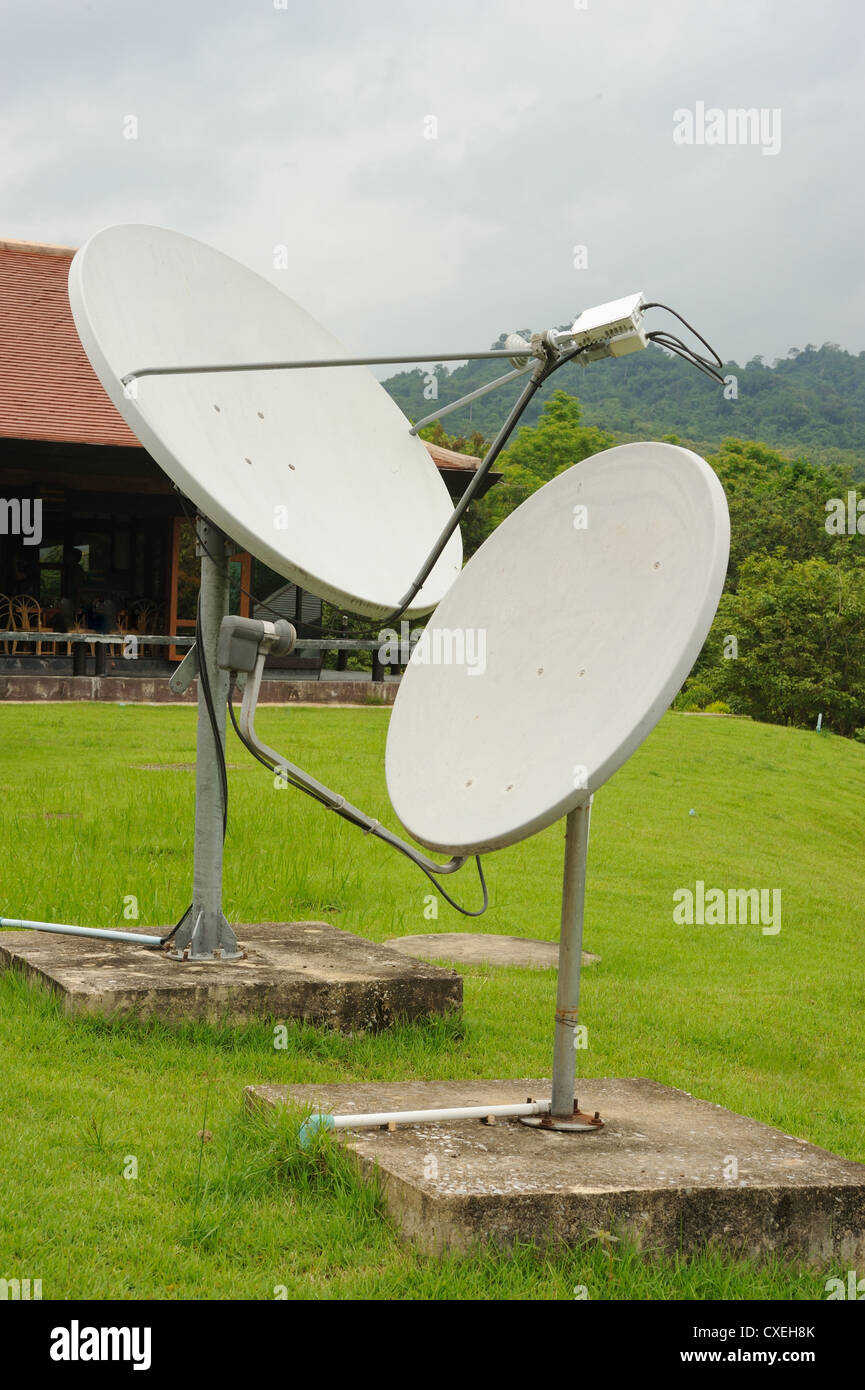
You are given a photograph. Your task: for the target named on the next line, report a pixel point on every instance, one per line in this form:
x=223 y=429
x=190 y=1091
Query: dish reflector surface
x=312 y=470
x=558 y=649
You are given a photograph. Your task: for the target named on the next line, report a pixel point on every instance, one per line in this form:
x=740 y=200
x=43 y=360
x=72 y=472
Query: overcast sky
x=307 y=124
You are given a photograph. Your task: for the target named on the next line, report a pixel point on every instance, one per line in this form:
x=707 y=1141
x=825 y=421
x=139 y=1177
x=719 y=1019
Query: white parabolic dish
x=577 y=620
x=312 y=470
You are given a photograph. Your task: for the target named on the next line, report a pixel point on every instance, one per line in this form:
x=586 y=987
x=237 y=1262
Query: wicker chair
x=148 y=618
x=26 y=615
x=122 y=626
x=78 y=627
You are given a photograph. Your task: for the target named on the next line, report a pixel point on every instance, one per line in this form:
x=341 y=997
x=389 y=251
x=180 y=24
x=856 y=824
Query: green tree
x=809 y=402
x=539 y=453
x=474 y=525
x=778 y=502
x=536 y=454
x=799 y=631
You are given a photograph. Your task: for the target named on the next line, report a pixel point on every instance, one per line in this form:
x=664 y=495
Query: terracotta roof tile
x=48 y=389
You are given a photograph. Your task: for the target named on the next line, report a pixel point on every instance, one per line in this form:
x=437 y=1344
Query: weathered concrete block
x=484 y=948
x=294 y=970
x=656 y=1172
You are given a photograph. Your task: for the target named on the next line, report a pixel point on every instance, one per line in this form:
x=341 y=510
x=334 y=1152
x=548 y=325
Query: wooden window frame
x=175 y=624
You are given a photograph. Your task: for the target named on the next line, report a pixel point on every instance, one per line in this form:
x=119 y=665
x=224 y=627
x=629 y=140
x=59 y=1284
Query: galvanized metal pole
x=306 y=363
x=472 y=396
x=570 y=961
x=205 y=933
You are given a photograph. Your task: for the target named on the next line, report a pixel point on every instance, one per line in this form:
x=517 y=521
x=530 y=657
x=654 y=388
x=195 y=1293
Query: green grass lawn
x=769 y=1025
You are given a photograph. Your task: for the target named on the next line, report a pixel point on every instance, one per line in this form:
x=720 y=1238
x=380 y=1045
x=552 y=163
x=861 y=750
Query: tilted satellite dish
x=559 y=647
x=555 y=653
x=553 y=656
x=314 y=472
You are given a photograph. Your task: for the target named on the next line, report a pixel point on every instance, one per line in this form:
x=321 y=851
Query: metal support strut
x=204 y=933
x=562 y=1111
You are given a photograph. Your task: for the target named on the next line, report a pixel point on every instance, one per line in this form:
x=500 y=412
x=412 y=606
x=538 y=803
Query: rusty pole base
x=577 y=1123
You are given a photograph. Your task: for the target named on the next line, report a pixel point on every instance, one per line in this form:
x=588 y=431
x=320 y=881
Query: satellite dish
x=558 y=648
x=314 y=472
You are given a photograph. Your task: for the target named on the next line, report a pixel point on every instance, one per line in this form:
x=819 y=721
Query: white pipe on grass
x=101 y=935
x=376 y=1119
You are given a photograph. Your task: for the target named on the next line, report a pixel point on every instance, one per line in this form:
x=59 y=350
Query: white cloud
x=306 y=127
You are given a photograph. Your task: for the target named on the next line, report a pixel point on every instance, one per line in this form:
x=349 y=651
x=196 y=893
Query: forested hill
x=810 y=403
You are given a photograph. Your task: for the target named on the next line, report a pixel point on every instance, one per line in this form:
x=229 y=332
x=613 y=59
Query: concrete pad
x=483 y=948
x=656 y=1172
x=293 y=970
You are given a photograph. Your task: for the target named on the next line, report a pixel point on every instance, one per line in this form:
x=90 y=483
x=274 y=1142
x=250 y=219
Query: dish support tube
x=204 y=933
x=562 y=1111
x=570 y=959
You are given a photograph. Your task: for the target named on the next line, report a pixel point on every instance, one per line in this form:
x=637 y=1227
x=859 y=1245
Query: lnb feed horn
x=241 y=640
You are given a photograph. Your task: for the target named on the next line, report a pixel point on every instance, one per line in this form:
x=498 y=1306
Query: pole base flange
x=577 y=1123
x=216 y=957
x=204 y=938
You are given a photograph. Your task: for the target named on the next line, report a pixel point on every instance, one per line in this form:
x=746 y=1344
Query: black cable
x=291 y=781
x=479 y=912
x=656 y=304
x=675 y=346
x=679 y=349
x=664 y=338
x=204 y=677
